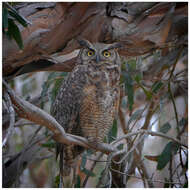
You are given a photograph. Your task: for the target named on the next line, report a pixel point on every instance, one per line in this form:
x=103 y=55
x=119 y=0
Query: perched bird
x=88 y=99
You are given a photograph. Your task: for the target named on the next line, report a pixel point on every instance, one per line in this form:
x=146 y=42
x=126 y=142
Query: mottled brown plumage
x=88 y=99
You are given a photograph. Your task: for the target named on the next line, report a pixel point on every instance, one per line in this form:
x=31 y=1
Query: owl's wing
x=66 y=106
x=65 y=110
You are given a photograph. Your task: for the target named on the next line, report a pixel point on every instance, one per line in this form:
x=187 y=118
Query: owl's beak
x=97 y=58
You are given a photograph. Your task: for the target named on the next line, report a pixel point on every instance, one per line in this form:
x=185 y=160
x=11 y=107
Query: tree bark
x=50 y=41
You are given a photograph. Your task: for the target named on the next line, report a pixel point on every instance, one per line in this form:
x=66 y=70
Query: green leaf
x=135 y=115
x=166 y=154
x=138 y=78
x=166 y=184
x=88 y=172
x=185 y=185
x=123 y=66
x=49 y=144
x=165 y=128
x=120 y=146
x=183 y=122
x=56 y=181
x=78 y=182
x=15 y=15
x=5 y=19
x=83 y=162
x=147 y=93
x=113 y=132
x=13 y=32
x=89 y=152
x=122 y=78
x=156 y=86
x=129 y=90
x=132 y=64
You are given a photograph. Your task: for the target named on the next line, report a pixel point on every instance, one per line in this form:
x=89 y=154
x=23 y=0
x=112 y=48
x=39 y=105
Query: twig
x=141 y=131
x=176 y=168
x=91 y=169
x=170 y=171
x=106 y=169
x=145 y=173
x=12 y=119
x=121 y=115
x=142 y=176
x=40 y=158
x=110 y=177
x=184 y=72
x=174 y=105
x=95 y=160
x=159 y=181
x=178 y=175
x=22 y=124
x=169 y=88
x=18 y=162
x=181 y=162
x=35 y=133
x=149 y=115
x=130 y=151
x=140 y=116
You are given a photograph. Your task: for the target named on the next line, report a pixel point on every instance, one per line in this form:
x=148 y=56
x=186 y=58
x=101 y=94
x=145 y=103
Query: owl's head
x=98 y=53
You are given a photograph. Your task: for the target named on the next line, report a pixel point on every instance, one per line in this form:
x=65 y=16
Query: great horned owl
x=88 y=99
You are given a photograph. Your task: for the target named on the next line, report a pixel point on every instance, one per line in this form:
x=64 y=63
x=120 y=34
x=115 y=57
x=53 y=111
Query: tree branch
x=14 y=167
x=91 y=169
x=11 y=117
x=32 y=113
x=152 y=133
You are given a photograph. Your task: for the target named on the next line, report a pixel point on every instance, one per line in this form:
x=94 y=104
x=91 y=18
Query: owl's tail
x=64 y=166
x=67 y=157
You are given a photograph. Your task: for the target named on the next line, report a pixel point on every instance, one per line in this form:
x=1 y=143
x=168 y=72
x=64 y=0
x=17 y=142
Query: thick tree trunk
x=50 y=41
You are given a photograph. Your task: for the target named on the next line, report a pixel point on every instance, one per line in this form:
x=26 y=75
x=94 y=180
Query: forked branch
x=33 y=113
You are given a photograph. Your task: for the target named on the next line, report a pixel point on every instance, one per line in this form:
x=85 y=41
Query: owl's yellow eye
x=106 y=53
x=90 y=53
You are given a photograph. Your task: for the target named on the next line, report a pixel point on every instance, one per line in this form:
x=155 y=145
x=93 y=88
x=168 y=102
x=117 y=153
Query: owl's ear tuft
x=84 y=43
x=115 y=45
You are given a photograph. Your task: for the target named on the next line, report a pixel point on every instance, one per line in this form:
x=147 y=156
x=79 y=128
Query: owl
x=88 y=99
